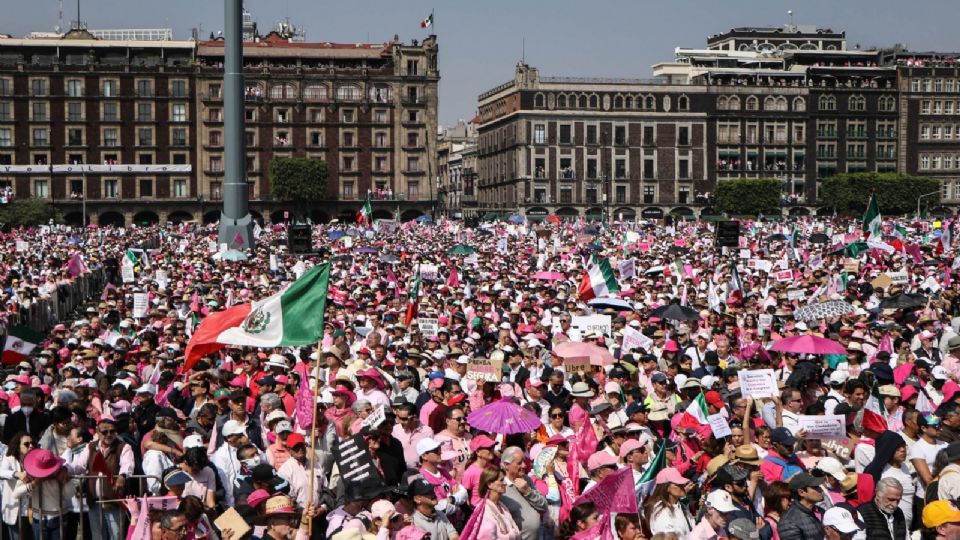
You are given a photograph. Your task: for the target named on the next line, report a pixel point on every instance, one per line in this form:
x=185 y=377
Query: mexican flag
x=648 y=481
x=365 y=211
x=428 y=22
x=19 y=343
x=598 y=281
x=872 y=218
x=292 y=317
x=696 y=413
x=413 y=301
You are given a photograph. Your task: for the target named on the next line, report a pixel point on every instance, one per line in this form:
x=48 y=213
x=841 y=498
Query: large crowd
x=463 y=386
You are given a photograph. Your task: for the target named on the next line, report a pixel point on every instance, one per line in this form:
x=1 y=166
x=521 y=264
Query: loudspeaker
x=728 y=234
x=299 y=239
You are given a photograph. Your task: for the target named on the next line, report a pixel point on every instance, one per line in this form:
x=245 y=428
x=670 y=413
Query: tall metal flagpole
x=236 y=226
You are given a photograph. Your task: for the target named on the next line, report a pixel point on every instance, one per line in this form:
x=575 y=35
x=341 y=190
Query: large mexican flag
x=18 y=344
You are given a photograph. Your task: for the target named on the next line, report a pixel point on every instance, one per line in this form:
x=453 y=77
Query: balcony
x=826 y=134
x=566 y=174
x=413 y=100
x=858 y=134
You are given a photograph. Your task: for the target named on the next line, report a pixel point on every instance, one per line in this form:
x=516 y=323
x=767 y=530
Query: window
x=179 y=158
x=591 y=134
x=39 y=112
x=683 y=194
x=683 y=169
x=621 y=194
x=827 y=103
x=733 y=104
x=924 y=133
x=380 y=116
x=925 y=106
x=649 y=194
x=110 y=113
x=413 y=164
x=314 y=92
x=216 y=163
x=915 y=85
x=5 y=137
x=249 y=114
x=591 y=168
x=41 y=137
x=40 y=189
x=74 y=111
x=380 y=139
x=413 y=116
x=380 y=164
x=648 y=136
x=753 y=103
x=146 y=187
x=683 y=136
x=178 y=136
x=144 y=112
x=413 y=190
x=214 y=91
x=565 y=134
x=413 y=140
x=75 y=137
x=250 y=138
x=683 y=103
x=561 y=101
x=924 y=161
x=178 y=89
x=110 y=137
x=380 y=94
x=348 y=191
x=178 y=112
x=348 y=116
x=539 y=134
x=283 y=116
x=315 y=115
x=110 y=189
x=145 y=137
x=283 y=91
x=799 y=104
x=857 y=103
x=620 y=169
x=38 y=87
x=538 y=101
x=74 y=88
x=649 y=171
x=180 y=188
x=413 y=67
x=145 y=159
x=566 y=195
x=6 y=87
x=620 y=135
x=145 y=88
x=316 y=138
x=5 y=111
x=348 y=93
x=348 y=139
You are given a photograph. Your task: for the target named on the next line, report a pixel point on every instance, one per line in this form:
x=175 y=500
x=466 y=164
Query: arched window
x=582 y=102
x=651 y=102
x=769 y=103
x=827 y=103
x=538 y=101
x=683 y=103
x=781 y=103
x=348 y=92
x=799 y=104
x=628 y=102
x=733 y=104
x=722 y=103
x=857 y=103
x=593 y=102
x=618 y=102
x=753 y=103
x=561 y=101
x=283 y=91
x=315 y=92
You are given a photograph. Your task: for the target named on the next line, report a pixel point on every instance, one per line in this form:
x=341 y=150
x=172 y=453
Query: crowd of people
x=115 y=425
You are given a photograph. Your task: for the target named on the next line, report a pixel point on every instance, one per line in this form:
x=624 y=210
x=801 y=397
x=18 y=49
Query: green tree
x=298 y=179
x=29 y=212
x=896 y=193
x=749 y=196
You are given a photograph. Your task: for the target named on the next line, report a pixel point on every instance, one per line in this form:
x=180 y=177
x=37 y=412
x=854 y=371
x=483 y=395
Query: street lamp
x=932 y=193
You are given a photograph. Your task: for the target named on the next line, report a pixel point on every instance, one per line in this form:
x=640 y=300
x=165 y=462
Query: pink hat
x=436 y=384
x=907 y=392
x=629 y=446
x=671 y=346
x=671 y=475
x=22 y=379
x=257 y=497
x=481 y=441
x=344 y=391
x=282 y=379
x=42 y=463
x=601 y=459
x=373 y=375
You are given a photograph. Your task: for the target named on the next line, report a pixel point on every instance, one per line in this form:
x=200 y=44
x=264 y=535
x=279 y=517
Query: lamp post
x=932 y=193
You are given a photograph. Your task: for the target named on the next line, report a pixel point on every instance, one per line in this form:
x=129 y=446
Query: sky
x=481 y=41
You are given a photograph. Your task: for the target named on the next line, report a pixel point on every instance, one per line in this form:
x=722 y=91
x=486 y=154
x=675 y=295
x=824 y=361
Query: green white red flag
x=599 y=281
x=18 y=344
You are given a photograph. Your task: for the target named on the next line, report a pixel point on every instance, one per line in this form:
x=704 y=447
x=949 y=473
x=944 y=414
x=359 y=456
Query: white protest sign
x=22 y=246
x=502 y=246
x=428 y=272
x=627 y=269
x=273 y=262
x=830 y=426
x=473 y=259
x=428 y=327
x=719 y=426
x=757 y=383
x=635 y=339
x=899 y=278
x=766 y=320
x=126 y=272
x=784 y=276
x=484 y=369
x=930 y=283
x=162 y=279
x=140 y=303
x=376 y=418
x=796 y=294
x=347 y=241
x=592 y=323
x=765 y=266
x=745 y=253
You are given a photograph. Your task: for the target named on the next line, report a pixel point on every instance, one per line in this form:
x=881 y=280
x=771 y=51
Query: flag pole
x=313 y=430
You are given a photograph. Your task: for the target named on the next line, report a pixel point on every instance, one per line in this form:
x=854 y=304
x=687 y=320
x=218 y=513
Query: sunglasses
x=458 y=419
x=108 y=432
x=561 y=415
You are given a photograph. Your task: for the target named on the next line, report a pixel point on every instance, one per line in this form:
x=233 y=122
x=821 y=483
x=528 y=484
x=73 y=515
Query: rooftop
x=273 y=45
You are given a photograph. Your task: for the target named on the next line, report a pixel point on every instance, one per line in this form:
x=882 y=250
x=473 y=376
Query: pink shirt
x=425 y=412
x=471 y=481
x=497 y=523
x=450 y=446
x=409 y=440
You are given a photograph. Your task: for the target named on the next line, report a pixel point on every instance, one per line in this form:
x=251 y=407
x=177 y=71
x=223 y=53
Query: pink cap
x=601 y=459
x=436 y=384
x=533 y=382
x=671 y=475
x=907 y=392
x=22 y=379
x=282 y=379
x=629 y=446
x=481 y=441
x=671 y=346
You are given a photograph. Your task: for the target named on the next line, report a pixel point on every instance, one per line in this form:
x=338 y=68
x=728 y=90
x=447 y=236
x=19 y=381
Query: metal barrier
x=87 y=500
x=44 y=313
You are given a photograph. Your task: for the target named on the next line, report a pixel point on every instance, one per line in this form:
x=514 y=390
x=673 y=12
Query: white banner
x=758 y=383
x=140 y=304
x=830 y=427
x=428 y=272
x=627 y=269
x=126 y=273
x=634 y=339
x=600 y=324
x=428 y=327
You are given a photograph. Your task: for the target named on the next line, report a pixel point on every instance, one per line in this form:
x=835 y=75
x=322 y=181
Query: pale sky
x=481 y=40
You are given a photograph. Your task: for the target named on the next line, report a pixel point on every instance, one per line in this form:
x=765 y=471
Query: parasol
x=505 y=417
x=904 y=301
x=823 y=310
x=598 y=355
x=807 y=344
x=676 y=312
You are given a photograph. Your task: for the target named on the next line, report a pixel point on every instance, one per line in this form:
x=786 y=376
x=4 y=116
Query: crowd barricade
x=87 y=501
x=44 y=313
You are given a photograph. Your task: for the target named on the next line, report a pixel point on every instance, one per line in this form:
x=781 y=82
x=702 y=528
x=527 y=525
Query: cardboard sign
x=719 y=426
x=140 y=304
x=635 y=339
x=627 y=269
x=576 y=364
x=795 y=294
x=231 y=519
x=851 y=266
x=428 y=272
x=375 y=418
x=357 y=471
x=428 y=327
x=784 y=276
x=600 y=324
x=831 y=426
x=758 y=383
x=484 y=369
x=881 y=282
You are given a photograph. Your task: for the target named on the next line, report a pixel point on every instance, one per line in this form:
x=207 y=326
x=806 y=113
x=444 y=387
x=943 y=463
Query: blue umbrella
x=73 y=240
x=366 y=250
x=517 y=219
x=424 y=219
x=335 y=235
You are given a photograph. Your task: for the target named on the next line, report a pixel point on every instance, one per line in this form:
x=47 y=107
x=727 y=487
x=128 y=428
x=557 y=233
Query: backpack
x=822 y=400
x=933 y=488
x=789 y=469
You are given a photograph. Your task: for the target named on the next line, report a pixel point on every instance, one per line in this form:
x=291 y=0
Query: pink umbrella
x=504 y=416
x=573 y=349
x=549 y=276
x=808 y=345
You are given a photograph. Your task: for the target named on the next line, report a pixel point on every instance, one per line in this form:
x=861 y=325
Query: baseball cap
x=743 y=529
x=426 y=445
x=294 y=439
x=601 y=459
x=713 y=398
x=783 y=435
x=841 y=519
x=481 y=441
x=804 y=480
x=831 y=466
x=838 y=377
x=421 y=487
x=232 y=427
x=659 y=377
x=720 y=501
x=635 y=407
x=671 y=475
x=629 y=446
x=940 y=373
x=939 y=512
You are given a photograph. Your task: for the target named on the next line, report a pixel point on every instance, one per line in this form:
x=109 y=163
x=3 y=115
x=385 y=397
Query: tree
x=749 y=196
x=896 y=193
x=29 y=212
x=298 y=179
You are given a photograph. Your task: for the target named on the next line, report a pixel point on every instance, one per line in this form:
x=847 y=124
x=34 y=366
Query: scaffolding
x=134 y=34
